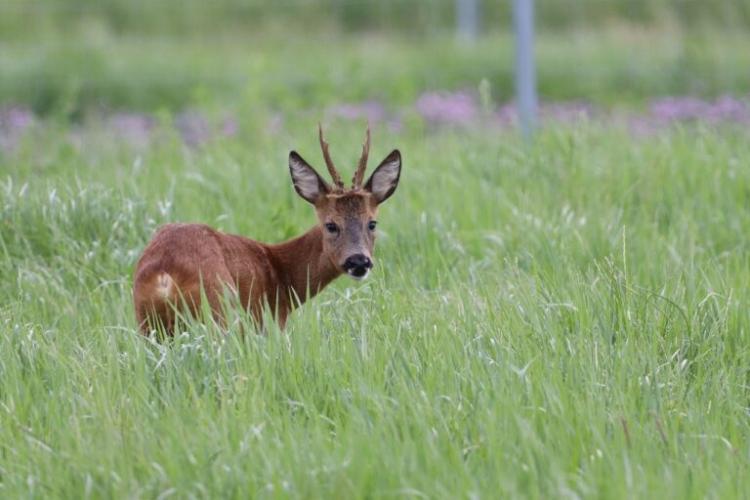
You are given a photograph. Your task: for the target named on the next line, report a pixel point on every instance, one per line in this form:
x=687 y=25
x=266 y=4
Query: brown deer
x=184 y=263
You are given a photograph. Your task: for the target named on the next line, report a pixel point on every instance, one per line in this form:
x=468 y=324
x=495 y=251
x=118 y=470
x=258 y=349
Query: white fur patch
x=164 y=285
x=358 y=278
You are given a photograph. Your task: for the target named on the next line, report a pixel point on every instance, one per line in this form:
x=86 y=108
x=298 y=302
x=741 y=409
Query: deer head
x=347 y=216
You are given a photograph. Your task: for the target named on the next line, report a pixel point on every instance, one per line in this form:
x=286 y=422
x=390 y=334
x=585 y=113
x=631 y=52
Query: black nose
x=358 y=264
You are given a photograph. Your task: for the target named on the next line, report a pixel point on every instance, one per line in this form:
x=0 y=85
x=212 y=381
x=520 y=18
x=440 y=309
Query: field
x=562 y=318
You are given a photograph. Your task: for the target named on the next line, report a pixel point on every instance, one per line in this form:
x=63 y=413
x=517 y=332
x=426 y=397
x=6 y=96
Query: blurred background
x=229 y=67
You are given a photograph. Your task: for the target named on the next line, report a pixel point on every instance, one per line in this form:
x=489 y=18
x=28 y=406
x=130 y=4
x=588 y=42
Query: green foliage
x=73 y=77
x=33 y=18
x=567 y=318
x=564 y=319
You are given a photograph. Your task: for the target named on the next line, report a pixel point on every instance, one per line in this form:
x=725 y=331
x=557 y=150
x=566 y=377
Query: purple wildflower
x=134 y=128
x=372 y=111
x=457 y=108
x=14 y=121
x=193 y=127
x=676 y=109
x=732 y=109
x=230 y=126
x=564 y=112
x=671 y=109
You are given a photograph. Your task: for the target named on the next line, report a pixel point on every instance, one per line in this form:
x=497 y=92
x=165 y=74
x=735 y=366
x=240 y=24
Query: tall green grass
x=567 y=319
x=75 y=76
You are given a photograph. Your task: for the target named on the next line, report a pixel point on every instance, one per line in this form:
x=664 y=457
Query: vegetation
x=32 y=18
x=76 y=73
x=568 y=318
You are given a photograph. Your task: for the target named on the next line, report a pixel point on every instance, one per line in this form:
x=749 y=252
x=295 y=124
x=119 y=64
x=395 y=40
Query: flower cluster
x=461 y=109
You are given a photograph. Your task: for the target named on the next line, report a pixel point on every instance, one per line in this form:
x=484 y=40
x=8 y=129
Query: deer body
x=184 y=263
x=185 y=259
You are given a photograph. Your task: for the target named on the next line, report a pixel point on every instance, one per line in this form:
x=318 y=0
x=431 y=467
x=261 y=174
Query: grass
x=71 y=76
x=567 y=319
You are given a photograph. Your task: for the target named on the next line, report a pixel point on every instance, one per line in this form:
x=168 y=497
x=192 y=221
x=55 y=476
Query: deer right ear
x=384 y=179
x=308 y=184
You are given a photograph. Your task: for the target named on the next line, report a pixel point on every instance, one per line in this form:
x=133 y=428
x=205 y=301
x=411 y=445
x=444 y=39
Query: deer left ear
x=308 y=184
x=384 y=180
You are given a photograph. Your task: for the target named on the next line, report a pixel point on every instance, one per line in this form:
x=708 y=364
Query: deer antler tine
x=359 y=174
x=335 y=176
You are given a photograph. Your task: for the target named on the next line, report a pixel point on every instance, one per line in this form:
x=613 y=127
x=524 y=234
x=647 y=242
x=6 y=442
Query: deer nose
x=357 y=265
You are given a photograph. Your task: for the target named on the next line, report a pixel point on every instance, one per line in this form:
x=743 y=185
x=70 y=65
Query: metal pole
x=467 y=19
x=523 y=21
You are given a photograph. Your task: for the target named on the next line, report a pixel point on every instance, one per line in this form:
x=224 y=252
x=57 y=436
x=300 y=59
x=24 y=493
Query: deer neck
x=302 y=266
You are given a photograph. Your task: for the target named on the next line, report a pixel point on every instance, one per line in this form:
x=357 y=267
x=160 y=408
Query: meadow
x=561 y=318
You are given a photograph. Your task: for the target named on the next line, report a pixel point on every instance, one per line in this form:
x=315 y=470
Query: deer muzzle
x=357 y=266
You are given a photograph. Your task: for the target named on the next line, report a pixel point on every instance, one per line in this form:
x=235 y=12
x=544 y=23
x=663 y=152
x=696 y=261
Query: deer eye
x=331 y=227
x=371 y=225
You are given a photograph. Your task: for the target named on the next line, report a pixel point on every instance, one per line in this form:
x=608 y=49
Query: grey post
x=523 y=21
x=467 y=19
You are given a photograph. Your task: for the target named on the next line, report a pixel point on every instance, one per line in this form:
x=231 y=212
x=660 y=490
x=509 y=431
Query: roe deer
x=185 y=262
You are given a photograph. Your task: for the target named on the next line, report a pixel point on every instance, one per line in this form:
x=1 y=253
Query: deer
x=187 y=263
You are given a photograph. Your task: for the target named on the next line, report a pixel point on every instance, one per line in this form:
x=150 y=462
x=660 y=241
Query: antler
x=359 y=175
x=329 y=162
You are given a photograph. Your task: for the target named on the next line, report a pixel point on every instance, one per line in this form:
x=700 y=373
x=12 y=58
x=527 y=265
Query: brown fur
x=184 y=262
x=191 y=256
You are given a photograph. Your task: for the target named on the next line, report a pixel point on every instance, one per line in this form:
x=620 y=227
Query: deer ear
x=308 y=184
x=384 y=180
